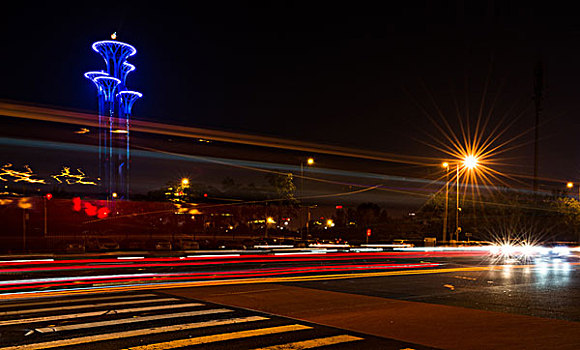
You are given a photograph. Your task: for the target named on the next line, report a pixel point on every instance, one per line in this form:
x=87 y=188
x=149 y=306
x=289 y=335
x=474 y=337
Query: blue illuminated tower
x=115 y=103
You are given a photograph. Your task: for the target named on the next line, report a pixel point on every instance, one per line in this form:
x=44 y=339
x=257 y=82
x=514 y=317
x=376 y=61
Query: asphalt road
x=163 y=321
x=388 y=300
x=546 y=289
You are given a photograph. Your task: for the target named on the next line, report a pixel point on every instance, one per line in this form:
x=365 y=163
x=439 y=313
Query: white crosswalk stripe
x=69 y=301
x=84 y=306
x=97 y=313
x=131 y=320
x=148 y=327
x=139 y=332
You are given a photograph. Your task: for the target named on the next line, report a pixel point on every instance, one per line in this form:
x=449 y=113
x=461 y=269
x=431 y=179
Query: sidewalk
x=440 y=326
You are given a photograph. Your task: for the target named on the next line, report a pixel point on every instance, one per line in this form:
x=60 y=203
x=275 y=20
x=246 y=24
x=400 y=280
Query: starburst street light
x=470 y=161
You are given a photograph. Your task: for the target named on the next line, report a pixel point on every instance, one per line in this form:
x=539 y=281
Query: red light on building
x=368 y=232
x=77 y=204
x=339 y=207
x=48 y=196
x=90 y=209
x=103 y=212
x=205 y=194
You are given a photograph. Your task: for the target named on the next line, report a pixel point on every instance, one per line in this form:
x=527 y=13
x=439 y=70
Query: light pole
x=469 y=162
x=46 y=198
x=458 y=209
x=446 y=166
x=309 y=161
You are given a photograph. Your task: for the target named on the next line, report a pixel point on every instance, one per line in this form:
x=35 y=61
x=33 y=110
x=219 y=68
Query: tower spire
x=115 y=104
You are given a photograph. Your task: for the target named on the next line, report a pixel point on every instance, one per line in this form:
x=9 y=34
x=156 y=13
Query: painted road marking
x=96 y=313
x=84 y=306
x=313 y=343
x=130 y=320
x=133 y=333
x=220 y=337
x=67 y=301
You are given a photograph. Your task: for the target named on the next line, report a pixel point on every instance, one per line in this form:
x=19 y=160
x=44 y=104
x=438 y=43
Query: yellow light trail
x=18 y=110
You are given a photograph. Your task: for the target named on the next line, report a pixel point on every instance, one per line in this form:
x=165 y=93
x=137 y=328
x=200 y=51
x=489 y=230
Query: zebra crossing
x=147 y=321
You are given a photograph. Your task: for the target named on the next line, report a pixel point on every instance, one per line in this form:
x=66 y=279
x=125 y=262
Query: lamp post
x=309 y=161
x=469 y=162
x=458 y=209
x=446 y=166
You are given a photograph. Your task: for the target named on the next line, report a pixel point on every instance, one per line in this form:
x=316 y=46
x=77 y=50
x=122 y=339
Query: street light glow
x=445 y=165
x=470 y=161
x=310 y=161
x=185 y=181
x=570 y=184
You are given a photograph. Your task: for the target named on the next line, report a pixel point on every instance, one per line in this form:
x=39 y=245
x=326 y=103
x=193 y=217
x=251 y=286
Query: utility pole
x=446 y=166
x=538 y=98
x=457 y=228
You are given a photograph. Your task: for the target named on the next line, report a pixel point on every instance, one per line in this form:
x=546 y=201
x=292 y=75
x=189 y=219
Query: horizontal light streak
x=214 y=256
x=285 y=279
x=26 y=260
x=272 y=272
x=177 y=262
x=84 y=119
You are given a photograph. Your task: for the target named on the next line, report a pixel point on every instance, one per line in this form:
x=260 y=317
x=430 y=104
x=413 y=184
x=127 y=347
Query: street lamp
x=570 y=185
x=446 y=166
x=309 y=161
x=184 y=181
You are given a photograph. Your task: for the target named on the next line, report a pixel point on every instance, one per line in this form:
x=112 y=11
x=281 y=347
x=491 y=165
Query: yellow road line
x=263 y=280
x=313 y=343
x=220 y=337
x=134 y=333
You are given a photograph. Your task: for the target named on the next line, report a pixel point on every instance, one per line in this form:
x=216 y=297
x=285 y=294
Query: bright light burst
x=474 y=149
x=470 y=161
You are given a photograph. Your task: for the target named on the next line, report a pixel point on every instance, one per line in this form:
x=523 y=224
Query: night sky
x=351 y=75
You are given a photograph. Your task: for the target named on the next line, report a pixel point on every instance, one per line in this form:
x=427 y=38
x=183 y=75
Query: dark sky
x=349 y=75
